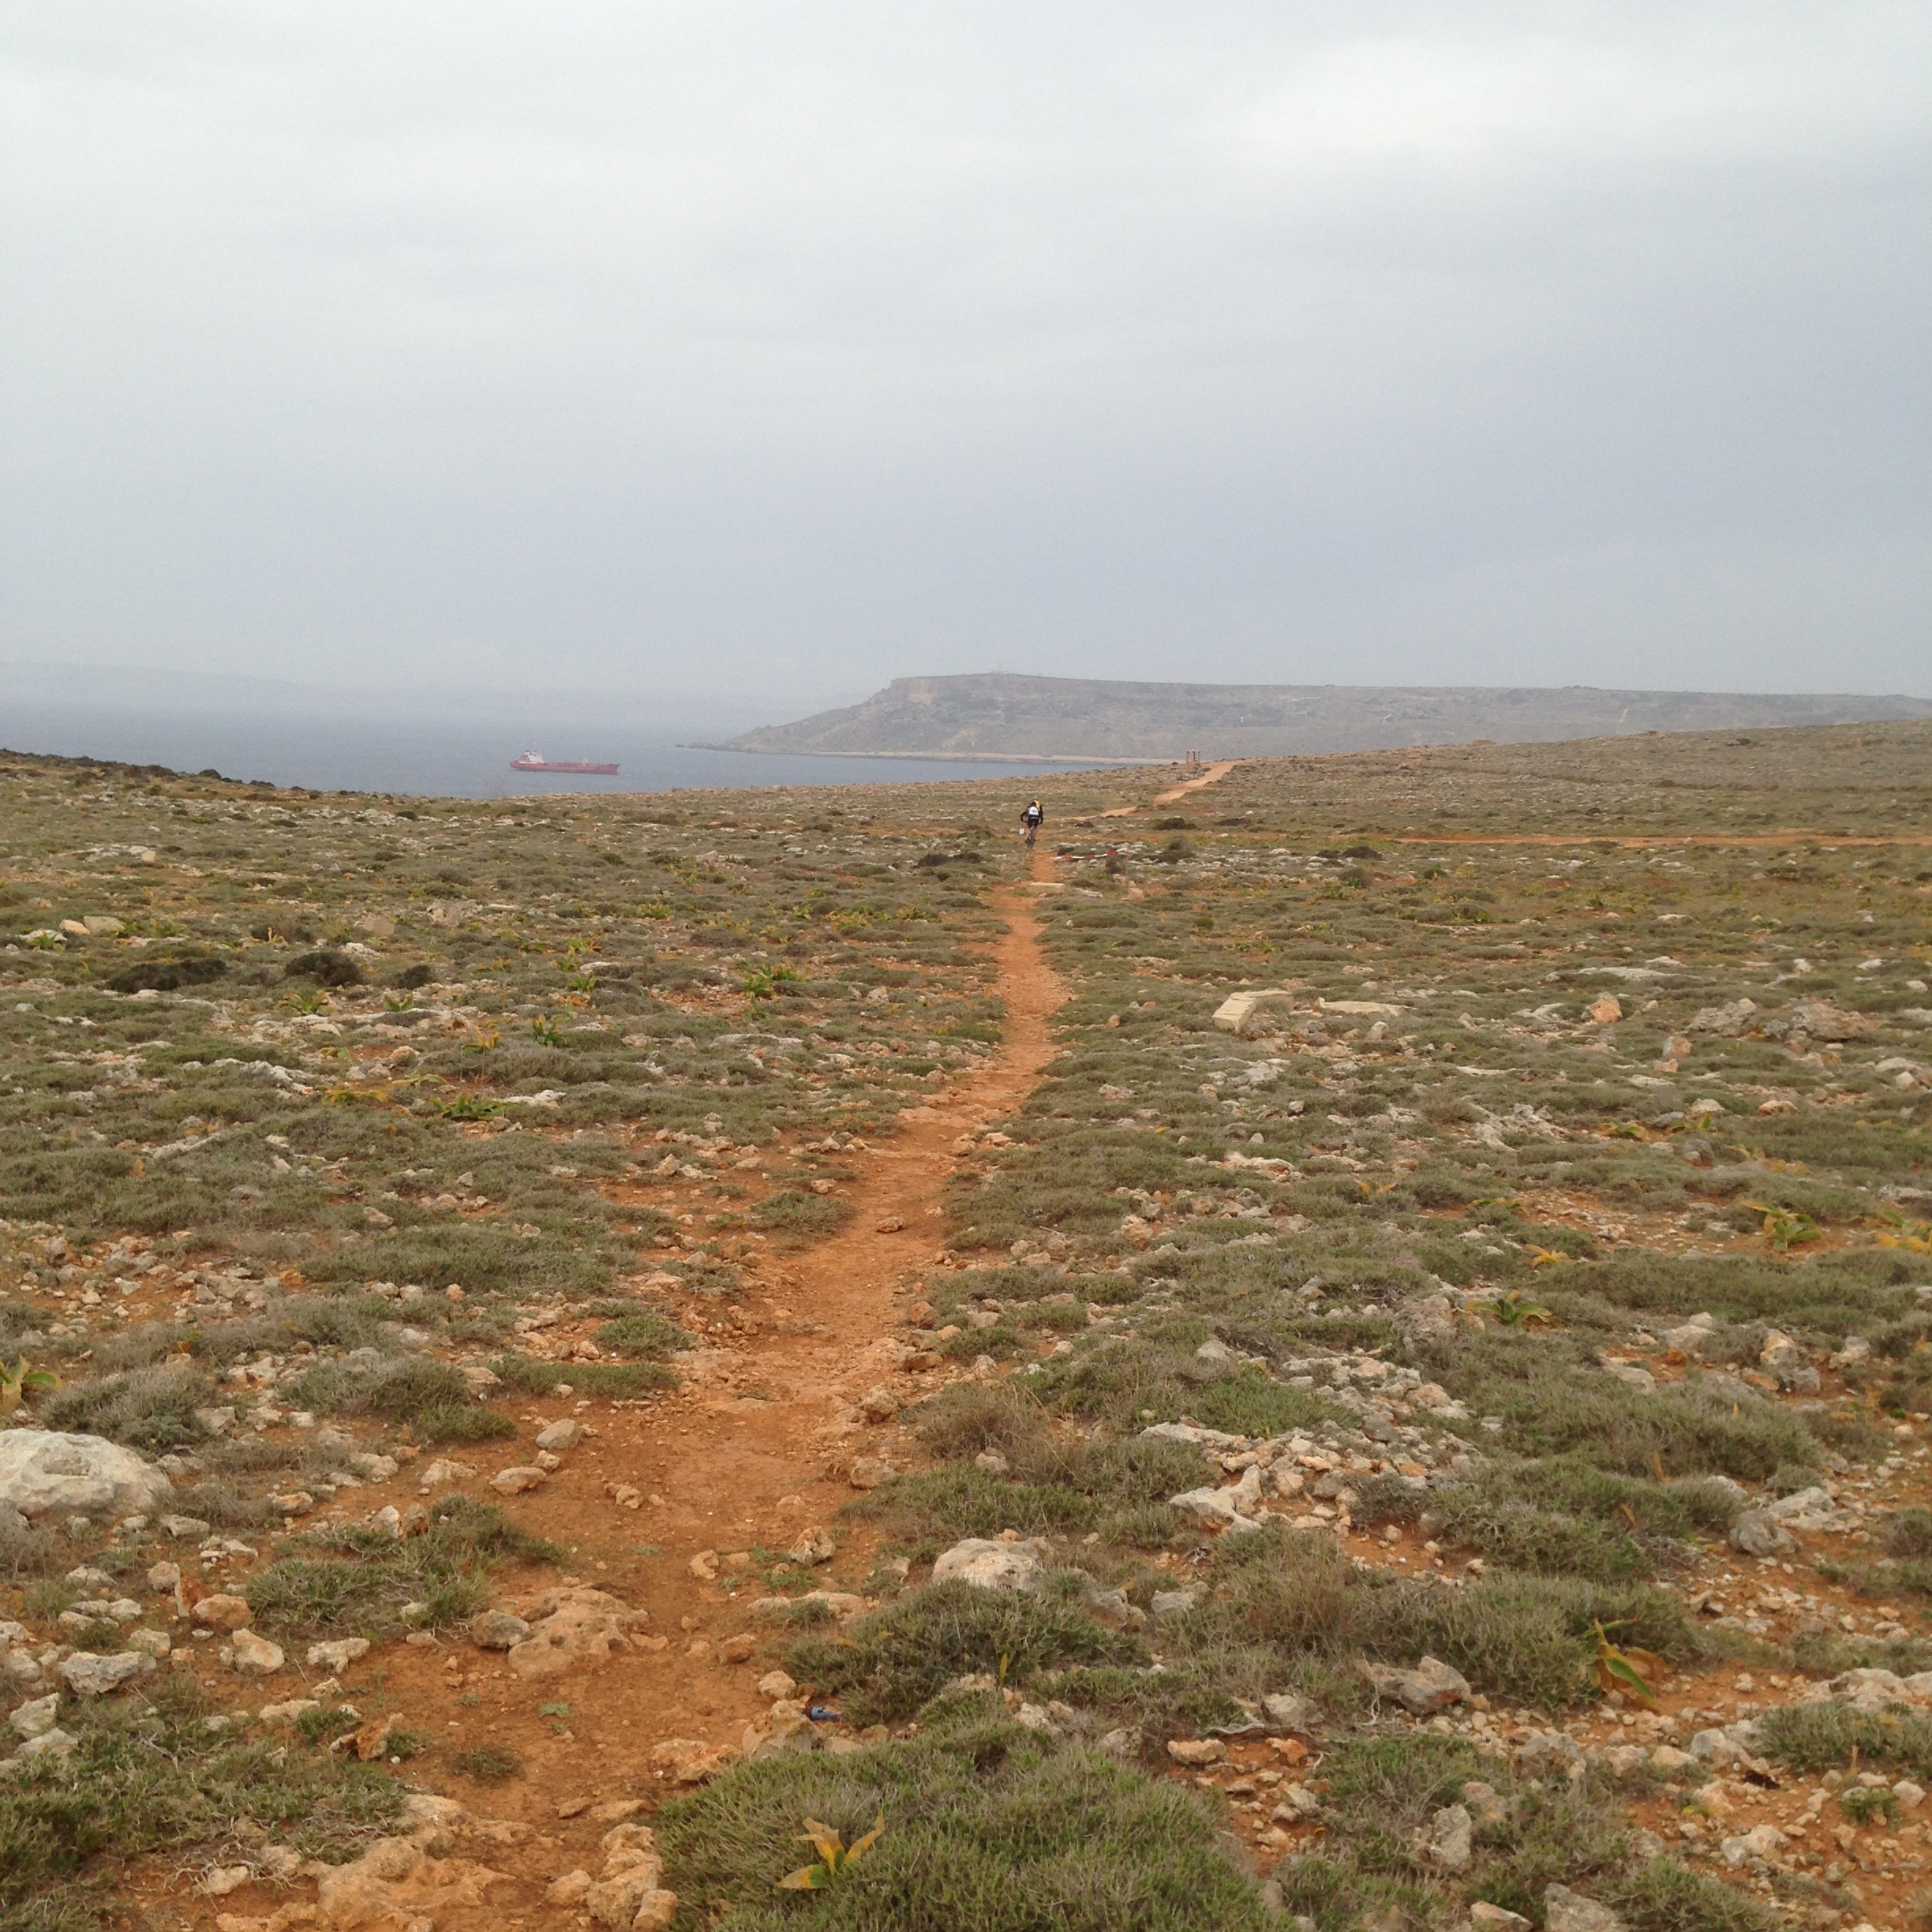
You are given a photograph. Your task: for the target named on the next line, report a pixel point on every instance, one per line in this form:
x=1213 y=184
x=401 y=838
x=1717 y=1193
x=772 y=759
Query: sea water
x=445 y=759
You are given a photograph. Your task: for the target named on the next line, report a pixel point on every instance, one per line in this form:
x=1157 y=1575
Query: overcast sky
x=788 y=348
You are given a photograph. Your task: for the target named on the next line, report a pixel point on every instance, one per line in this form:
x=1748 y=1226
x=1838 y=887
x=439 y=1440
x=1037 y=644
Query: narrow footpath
x=753 y=1452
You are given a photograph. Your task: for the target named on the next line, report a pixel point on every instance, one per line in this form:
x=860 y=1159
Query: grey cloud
x=797 y=348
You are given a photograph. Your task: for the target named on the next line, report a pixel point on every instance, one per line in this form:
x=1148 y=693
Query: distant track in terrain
x=1213 y=775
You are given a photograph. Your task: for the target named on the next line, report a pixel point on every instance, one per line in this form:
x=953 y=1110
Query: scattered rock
x=1695 y=1336
x=775 y=1684
x=339 y=1654
x=785 y=1731
x=1824 y=1021
x=1451 y=1839
x=565 y=1434
x=569 y=1890
x=222 y=1612
x=1551 y=1753
x=256 y=1657
x=395 y=1887
x=628 y=1893
x=1225 y=1509
x=1806 y=1509
x=572 y=1626
x=54 y=1743
x=1197 y=1752
x=1757 y=1533
x=1488 y=1918
x=616 y=1811
x=44 y=1472
x=869 y=1472
x=37 y=1718
x=497 y=1629
x=442 y=1470
x=164 y=1576
x=1762 y=1841
x=879 y=1403
x=1727 y=1022
x=1430 y=1686
x=738 y=1650
x=690 y=1761
x=994 y=1564
x=814 y=1547
x=1606 y=1009
x=1290 y=1711
x=1174 y=1602
x=1715 y=1747
x=517 y=1480
x=1631 y=1376
x=223 y=1879
x=370 y=1741
x=88 y=1675
x=842 y=1604
x=288 y=1712
x=1565 y=1911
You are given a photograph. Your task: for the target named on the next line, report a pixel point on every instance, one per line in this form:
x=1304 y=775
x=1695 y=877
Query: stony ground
x=582 y=1334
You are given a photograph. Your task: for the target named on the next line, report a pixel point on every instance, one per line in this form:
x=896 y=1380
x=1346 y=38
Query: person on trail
x=1033 y=818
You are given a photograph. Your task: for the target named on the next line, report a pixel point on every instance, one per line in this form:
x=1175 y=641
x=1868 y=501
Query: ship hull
x=547 y=765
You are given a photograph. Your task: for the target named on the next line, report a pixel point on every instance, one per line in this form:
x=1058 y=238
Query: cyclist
x=1033 y=818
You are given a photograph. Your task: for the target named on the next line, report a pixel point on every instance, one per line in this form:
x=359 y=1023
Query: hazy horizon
x=746 y=358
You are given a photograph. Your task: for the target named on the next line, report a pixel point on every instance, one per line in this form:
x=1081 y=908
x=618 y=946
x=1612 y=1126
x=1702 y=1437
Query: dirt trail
x=1213 y=775
x=752 y=1452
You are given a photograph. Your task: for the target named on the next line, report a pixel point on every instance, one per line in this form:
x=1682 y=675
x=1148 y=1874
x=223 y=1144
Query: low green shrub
x=797 y=1217
x=429 y=1398
x=605 y=1378
x=148 y=1775
x=1530 y=1638
x=643 y=1331
x=986 y=1825
x=355 y=1581
x=1814 y=1737
x=148 y=1409
x=889 y=1665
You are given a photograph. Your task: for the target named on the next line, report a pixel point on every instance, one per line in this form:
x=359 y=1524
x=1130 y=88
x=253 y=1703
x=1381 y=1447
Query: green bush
x=799 y=1217
x=987 y=1825
x=427 y=1398
x=606 y=1379
x=1530 y=1638
x=147 y=1776
x=148 y=1409
x=1814 y=1737
x=643 y=1331
x=889 y=1665
x=355 y=1581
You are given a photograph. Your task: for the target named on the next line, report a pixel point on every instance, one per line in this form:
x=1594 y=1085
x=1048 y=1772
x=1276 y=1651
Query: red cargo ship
x=535 y=760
